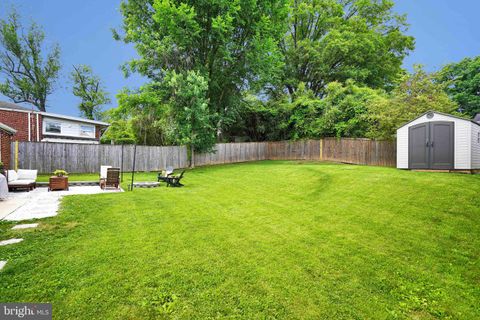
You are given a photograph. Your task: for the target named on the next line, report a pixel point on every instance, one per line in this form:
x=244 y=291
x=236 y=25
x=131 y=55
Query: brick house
x=6 y=134
x=37 y=126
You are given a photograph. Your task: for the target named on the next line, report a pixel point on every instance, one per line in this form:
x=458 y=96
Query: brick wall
x=5 y=149
x=19 y=121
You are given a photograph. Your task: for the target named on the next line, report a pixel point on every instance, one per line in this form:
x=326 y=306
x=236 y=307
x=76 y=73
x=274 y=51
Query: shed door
x=441 y=145
x=418 y=146
x=431 y=145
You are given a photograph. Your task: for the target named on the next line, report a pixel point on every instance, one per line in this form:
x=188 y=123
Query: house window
x=478 y=137
x=53 y=127
x=87 y=131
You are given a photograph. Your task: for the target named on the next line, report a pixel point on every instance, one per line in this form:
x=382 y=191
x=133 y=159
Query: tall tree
x=232 y=44
x=335 y=40
x=29 y=73
x=189 y=111
x=87 y=86
x=462 y=81
x=416 y=94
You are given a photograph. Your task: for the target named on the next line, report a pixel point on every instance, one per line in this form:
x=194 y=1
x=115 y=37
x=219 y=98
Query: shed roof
x=443 y=114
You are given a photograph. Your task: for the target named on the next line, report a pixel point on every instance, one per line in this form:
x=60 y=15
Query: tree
x=462 y=82
x=345 y=110
x=88 y=88
x=335 y=40
x=119 y=132
x=416 y=94
x=189 y=111
x=29 y=74
x=146 y=113
x=173 y=111
x=232 y=45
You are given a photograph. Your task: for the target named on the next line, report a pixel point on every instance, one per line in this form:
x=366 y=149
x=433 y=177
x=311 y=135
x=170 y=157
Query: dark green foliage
x=333 y=41
x=143 y=113
x=119 y=132
x=192 y=122
x=233 y=45
x=416 y=94
x=462 y=82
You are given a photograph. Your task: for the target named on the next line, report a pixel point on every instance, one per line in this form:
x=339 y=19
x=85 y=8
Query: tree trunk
x=42 y=106
x=192 y=156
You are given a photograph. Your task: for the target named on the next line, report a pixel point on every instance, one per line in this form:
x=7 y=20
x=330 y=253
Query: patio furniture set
x=109 y=178
x=21 y=179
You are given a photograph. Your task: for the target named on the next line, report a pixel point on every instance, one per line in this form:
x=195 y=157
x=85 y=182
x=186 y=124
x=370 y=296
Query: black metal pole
x=133 y=169
x=121 y=165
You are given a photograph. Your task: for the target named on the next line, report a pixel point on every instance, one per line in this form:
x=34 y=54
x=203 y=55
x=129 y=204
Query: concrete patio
x=40 y=203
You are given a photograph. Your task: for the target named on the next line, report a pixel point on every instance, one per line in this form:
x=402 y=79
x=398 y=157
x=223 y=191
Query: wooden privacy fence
x=87 y=158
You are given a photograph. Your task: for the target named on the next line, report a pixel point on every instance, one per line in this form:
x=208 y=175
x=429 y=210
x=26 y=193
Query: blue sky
x=445 y=31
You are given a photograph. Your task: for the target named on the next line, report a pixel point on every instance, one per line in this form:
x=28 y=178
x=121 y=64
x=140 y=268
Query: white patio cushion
x=12 y=175
x=103 y=171
x=22 y=182
x=24 y=174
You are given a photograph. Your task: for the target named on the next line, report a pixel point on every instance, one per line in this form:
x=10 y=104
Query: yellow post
x=16 y=155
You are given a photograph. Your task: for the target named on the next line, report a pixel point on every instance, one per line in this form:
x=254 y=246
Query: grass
x=259 y=240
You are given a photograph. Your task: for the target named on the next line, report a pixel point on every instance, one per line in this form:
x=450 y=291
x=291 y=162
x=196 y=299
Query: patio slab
x=40 y=203
x=10 y=241
x=25 y=226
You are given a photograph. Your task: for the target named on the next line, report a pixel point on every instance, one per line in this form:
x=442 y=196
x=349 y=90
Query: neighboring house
x=439 y=141
x=6 y=134
x=37 y=126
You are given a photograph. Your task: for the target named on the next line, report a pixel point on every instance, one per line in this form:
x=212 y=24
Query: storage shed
x=439 y=141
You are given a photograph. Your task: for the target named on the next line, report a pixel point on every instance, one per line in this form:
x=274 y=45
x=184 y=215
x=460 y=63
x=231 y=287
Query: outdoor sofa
x=22 y=179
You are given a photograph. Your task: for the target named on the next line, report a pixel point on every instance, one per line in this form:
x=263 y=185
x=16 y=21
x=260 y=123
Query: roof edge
x=78 y=119
x=441 y=113
x=8 y=129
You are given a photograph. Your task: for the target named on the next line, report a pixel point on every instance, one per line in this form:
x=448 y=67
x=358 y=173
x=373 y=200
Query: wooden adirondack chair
x=113 y=178
x=174 y=181
x=162 y=176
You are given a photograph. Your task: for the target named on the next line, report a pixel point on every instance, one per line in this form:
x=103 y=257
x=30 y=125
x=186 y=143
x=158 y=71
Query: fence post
x=321 y=149
x=16 y=155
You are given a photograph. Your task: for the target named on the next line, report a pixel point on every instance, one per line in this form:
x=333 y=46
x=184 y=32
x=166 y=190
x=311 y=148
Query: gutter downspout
x=29 y=127
x=38 y=130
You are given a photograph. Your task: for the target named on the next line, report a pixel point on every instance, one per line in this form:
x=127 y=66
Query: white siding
x=463 y=141
x=69 y=128
x=402 y=148
x=475 y=146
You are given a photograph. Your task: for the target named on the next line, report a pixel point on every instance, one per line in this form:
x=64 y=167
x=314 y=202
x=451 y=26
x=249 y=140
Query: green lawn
x=259 y=240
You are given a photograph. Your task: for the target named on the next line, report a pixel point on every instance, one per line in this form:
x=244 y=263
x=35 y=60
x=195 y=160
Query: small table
x=58 y=183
